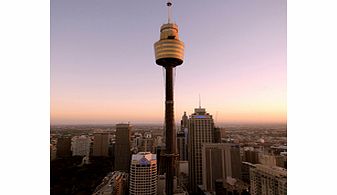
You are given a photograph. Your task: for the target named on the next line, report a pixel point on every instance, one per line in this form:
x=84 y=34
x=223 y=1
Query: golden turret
x=169 y=50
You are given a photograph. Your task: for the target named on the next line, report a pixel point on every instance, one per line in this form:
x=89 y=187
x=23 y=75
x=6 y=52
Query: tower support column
x=169 y=125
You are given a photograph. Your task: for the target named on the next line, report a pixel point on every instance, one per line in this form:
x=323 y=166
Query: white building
x=81 y=145
x=143 y=174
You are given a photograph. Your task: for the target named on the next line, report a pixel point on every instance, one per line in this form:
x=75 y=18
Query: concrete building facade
x=219 y=161
x=182 y=143
x=101 y=144
x=250 y=155
x=200 y=131
x=80 y=145
x=266 y=180
x=143 y=174
x=122 y=147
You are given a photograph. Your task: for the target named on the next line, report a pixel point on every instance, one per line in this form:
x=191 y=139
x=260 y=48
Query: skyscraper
x=182 y=138
x=143 y=174
x=122 y=147
x=184 y=122
x=147 y=143
x=217 y=135
x=182 y=145
x=219 y=161
x=101 y=144
x=200 y=130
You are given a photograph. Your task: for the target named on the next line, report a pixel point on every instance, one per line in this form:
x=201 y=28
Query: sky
x=103 y=69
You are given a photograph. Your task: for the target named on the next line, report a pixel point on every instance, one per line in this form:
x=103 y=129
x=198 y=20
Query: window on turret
x=171 y=37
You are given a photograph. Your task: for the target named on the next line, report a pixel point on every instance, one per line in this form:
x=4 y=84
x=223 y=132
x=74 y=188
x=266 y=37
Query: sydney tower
x=169 y=53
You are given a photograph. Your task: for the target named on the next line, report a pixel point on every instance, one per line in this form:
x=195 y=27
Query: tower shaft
x=169 y=125
x=169 y=109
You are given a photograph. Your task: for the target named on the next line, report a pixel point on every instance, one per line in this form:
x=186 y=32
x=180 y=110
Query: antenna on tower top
x=169 y=10
x=199 y=101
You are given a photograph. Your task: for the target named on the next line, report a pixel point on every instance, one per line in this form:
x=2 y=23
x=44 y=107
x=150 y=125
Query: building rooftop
x=142 y=156
x=276 y=171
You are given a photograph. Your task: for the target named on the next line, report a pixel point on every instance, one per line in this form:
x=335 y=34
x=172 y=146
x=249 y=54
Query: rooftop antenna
x=199 y=101
x=169 y=11
x=216 y=117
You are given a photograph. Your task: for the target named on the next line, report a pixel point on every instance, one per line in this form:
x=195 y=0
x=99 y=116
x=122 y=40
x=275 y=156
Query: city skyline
x=102 y=68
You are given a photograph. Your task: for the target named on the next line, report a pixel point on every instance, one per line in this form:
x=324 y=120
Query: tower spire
x=169 y=11
x=199 y=101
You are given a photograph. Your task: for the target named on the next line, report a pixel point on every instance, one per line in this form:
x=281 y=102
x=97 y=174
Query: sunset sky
x=103 y=68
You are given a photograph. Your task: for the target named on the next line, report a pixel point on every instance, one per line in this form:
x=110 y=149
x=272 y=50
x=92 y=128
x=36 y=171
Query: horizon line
x=162 y=123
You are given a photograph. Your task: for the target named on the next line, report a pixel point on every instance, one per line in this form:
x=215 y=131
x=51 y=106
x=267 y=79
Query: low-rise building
x=115 y=183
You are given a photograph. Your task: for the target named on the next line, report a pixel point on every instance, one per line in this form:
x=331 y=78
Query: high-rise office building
x=217 y=135
x=101 y=144
x=63 y=147
x=147 y=143
x=143 y=174
x=184 y=122
x=200 y=131
x=268 y=180
x=122 y=147
x=182 y=145
x=182 y=138
x=245 y=171
x=80 y=145
x=219 y=161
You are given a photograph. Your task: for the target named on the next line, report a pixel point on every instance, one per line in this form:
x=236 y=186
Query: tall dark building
x=122 y=147
x=245 y=174
x=182 y=138
x=101 y=144
x=63 y=147
x=160 y=152
x=184 y=122
x=251 y=155
x=217 y=135
x=182 y=145
x=200 y=131
x=169 y=53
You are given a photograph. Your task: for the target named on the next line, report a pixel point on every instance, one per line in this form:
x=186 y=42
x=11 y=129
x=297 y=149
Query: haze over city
x=103 y=69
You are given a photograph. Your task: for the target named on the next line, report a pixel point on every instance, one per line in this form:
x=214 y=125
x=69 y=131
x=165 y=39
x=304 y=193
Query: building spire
x=169 y=11
x=199 y=101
